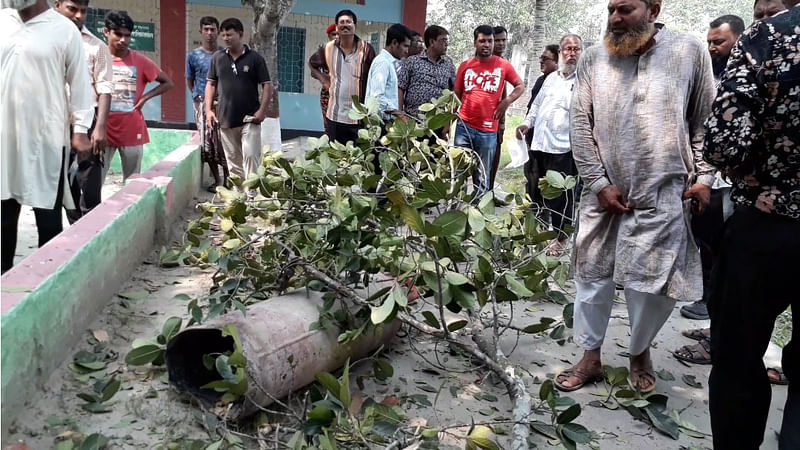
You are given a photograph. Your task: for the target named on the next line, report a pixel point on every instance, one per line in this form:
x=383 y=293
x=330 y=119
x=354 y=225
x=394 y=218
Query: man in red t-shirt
x=126 y=129
x=479 y=85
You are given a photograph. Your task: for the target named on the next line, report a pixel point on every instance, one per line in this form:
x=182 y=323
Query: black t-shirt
x=237 y=88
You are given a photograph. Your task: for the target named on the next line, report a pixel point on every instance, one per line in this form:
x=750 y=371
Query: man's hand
x=500 y=112
x=612 y=201
x=140 y=104
x=211 y=119
x=99 y=141
x=702 y=194
x=82 y=145
x=521 y=130
x=259 y=116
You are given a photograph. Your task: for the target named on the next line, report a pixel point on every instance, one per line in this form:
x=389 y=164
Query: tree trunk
x=537 y=40
x=268 y=15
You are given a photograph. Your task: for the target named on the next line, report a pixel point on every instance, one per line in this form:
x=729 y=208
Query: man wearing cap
x=319 y=71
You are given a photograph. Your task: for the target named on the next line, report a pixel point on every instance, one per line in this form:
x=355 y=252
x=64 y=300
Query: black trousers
x=707 y=231
x=754 y=280
x=48 y=224
x=343 y=132
x=533 y=170
x=86 y=187
x=562 y=208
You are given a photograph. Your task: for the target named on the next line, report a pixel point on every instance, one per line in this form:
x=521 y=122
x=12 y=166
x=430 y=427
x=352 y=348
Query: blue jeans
x=484 y=143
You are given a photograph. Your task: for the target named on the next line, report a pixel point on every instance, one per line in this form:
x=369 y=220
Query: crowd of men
x=688 y=156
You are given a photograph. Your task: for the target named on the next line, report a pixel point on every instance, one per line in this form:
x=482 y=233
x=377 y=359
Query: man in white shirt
x=549 y=117
x=88 y=183
x=35 y=117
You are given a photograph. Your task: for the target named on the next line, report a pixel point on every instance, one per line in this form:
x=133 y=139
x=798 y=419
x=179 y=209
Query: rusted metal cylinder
x=282 y=354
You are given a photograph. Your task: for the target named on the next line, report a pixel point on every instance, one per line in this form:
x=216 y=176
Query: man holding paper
x=549 y=117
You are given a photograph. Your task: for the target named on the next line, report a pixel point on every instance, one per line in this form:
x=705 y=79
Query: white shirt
x=549 y=114
x=37 y=62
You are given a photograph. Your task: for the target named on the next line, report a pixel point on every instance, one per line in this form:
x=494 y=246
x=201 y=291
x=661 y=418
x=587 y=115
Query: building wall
x=298 y=110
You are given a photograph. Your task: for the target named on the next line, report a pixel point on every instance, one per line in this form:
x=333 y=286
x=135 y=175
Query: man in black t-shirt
x=237 y=73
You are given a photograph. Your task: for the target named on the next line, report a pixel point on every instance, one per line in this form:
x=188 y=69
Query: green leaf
x=436 y=190
x=226 y=225
x=412 y=218
x=691 y=381
x=231 y=244
x=215 y=446
x=476 y=220
x=382 y=369
x=344 y=386
x=110 y=389
x=538 y=328
x=430 y=319
x=440 y=120
x=455 y=278
x=482 y=443
x=457 y=325
x=517 y=287
x=138 y=295
x=665 y=375
x=546 y=390
x=569 y=414
x=381 y=313
x=171 y=328
x=330 y=382
x=452 y=223
x=577 y=433
x=662 y=422
x=96 y=408
x=399 y=296
x=94 y=442
x=236 y=359
x=145 y=354
x=65 y=445
x=555 y=179
x=224 y=369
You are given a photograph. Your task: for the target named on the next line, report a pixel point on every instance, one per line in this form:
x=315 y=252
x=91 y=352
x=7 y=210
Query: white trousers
x=242 y=147
x=593 y=303
x=131 y=157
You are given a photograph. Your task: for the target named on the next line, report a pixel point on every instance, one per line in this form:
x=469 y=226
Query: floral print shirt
x=753 y=135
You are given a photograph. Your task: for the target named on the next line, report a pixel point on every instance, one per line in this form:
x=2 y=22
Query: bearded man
x=637 y=138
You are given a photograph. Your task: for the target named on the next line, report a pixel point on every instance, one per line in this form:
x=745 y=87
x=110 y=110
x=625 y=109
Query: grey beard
x=567 y=69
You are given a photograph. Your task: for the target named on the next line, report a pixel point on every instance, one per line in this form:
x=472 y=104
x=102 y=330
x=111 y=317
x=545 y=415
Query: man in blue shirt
x=382 y=79
x=197 y=64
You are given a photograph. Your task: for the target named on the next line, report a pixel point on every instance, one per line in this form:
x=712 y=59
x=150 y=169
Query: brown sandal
x=695 y=334
x=699 y=353
x=582 y=375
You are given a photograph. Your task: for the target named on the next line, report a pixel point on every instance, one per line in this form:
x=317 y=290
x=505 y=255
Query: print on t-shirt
x=124 y=97
x=488 y=81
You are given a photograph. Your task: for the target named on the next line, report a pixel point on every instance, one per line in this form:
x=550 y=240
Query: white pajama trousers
x=242 y=146
x=593 y=303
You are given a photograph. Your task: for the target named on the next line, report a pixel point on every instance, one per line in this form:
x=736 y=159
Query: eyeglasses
x=571 y=49
x=545 y=59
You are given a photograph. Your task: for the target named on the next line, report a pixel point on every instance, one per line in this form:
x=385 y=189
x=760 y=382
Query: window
x=291 y=58
x=375 y=41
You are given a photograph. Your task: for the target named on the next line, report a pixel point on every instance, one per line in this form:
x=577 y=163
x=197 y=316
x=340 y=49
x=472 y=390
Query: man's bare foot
x=697 y=334
x=642 y=375
x=589 y=369
x=557 y=248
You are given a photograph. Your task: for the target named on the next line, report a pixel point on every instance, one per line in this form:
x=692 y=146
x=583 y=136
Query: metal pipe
x=282 y=354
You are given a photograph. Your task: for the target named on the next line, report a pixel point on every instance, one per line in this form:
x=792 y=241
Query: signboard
x=143 y=35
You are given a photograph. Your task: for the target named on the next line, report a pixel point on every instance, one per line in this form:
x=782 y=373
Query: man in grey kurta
x=637 y=137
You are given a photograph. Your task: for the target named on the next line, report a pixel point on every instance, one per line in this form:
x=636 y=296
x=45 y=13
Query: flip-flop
x=782 y=380
x=699 y=353
x=580 y=374
x=641 y=373
x=695 y=334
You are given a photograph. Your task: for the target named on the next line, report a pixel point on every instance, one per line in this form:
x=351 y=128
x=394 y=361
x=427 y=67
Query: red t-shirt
x=126 y=126
x=482 y=85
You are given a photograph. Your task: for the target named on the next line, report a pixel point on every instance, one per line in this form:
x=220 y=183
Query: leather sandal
x=699 y=353
x=582 y=375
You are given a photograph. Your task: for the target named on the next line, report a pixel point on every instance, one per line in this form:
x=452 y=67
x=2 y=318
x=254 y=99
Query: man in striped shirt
x=348 y=60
